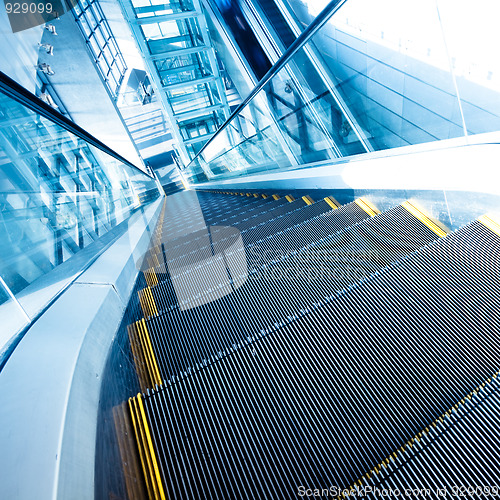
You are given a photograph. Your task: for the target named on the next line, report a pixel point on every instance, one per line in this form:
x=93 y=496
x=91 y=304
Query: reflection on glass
x=367 y=81
x=473 y=39
x=57 y=194
x=394 y=76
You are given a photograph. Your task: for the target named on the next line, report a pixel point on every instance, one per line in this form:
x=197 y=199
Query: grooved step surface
x=281 y=291
x=280 y=241
x=250 y=227
x=323 y=400
x=460 y=455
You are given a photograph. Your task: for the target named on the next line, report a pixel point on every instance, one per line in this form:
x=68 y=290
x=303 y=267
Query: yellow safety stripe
x=424 y=219
x=256 y=195
x=148 y=302
x=152 y=274
x=151 y=301
x=150 y=277
x=146 y=437
x=143 y=302
x=370 y=209
x=490 y=223
x=332 y=202
x=155 y=258
x=138 y=356
x=290 y=198
x=159 y=485
x=394 y=455
x=276 y=197
x=156 y=371
x=264 y=196
x=143 y=345
x=308 y=200
x=140 y=445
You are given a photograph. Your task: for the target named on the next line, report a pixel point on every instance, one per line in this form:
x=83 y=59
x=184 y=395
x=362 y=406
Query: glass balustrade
x=374 y=76
x=58 y=195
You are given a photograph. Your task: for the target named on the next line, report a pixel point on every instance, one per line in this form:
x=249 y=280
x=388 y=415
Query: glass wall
x=377 y=75
x=177 y=48
x=101 y=42
x=58 y=194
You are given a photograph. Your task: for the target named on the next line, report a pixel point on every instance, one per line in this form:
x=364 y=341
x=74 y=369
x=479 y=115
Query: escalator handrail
x=18 y=93
x=319 y=21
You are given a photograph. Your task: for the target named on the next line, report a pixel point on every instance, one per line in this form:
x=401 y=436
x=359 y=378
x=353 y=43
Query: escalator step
x=440 y=459
x=280 y=292
x=326 y=398
x=185 y=251
x=240 y=220
x=282 y=242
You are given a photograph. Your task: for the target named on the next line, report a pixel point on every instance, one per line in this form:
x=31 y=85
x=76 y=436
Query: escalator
x=354 y=349
x=278 y=22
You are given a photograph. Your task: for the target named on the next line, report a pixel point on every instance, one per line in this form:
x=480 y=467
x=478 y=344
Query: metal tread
x=322 y=400
x=187 y=252
x=278 y=292
x=463 y=471
x=278 y=245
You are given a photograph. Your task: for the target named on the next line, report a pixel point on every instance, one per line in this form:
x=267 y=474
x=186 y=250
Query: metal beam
x=177 y=52
x=187 y=115
x=167 y=17
x=182 y=85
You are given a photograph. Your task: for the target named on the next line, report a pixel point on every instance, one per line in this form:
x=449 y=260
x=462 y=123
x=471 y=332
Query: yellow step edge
x=154 y=279
x=276 y=197
x=368 y=207
x=290 y=198
x=424 y=219
x=158 y=380
x=426 y=430
x=143 y=428
x=155 y=258
x=265 y=196
x=256 y=195
x=138 y=356
x=308 y=200
x=141 y=445
x=150 y=277
x=143 y=302
x=143 y=346
x=148 y=302
x=490 y=221
x=152 y=303
x=159 y=485
x=332 y=202
x=148 y=357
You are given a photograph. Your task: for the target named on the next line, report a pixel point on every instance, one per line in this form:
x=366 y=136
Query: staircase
x=330 y=348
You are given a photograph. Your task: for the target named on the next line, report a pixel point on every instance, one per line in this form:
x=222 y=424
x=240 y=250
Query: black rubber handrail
x=319 y=21
x=19 y=94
